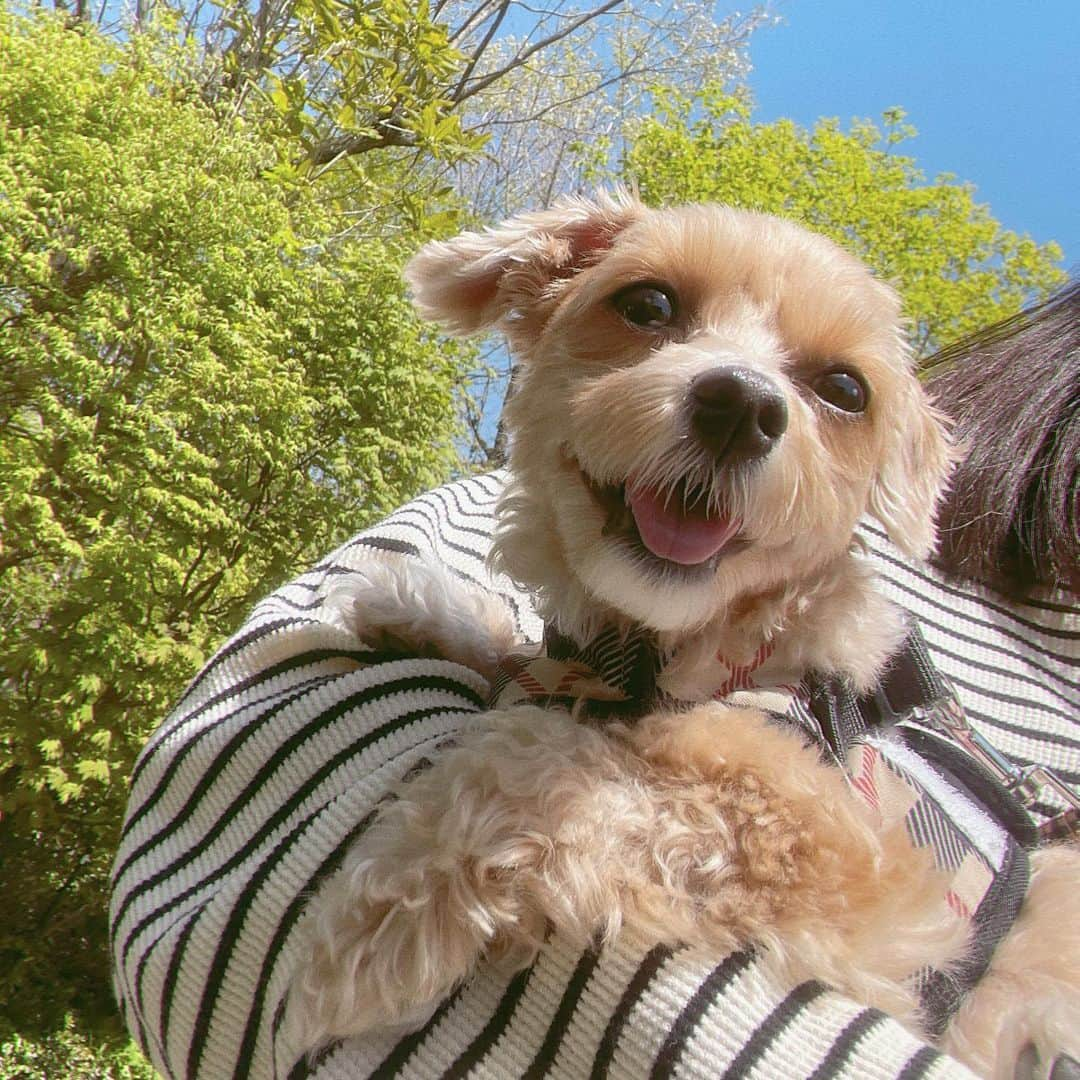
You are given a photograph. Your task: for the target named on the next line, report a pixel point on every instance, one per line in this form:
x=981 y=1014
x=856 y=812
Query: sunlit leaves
x=345 y=76
x=206 y=379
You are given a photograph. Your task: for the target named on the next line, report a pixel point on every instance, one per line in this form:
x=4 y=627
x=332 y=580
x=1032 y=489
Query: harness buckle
x=1025 y=783
x=1033 y=781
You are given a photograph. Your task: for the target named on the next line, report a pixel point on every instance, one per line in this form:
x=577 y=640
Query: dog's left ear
x=919 y=456
x=473 y=281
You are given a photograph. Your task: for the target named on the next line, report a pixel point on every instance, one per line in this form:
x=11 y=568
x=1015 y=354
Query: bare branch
x=474 y=18
x=387 y=134
x=524 y=54
x=479 y=51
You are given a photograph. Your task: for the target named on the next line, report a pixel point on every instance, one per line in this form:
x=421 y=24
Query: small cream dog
x=706 y=402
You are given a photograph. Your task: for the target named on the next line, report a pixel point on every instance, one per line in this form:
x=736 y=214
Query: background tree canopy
x=198 y=392
x=209 y=371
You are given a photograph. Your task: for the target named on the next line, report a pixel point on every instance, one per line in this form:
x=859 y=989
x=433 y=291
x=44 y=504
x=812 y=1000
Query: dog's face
x=706 y=402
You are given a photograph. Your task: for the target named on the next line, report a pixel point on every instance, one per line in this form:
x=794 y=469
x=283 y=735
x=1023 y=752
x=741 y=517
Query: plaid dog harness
x=623 y=675
x=906 y=749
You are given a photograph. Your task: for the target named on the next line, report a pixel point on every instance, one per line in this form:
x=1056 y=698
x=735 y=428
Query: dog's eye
x=645 y=305
x=842 y=390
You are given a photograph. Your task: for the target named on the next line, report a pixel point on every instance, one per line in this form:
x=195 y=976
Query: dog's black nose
x=737 y=414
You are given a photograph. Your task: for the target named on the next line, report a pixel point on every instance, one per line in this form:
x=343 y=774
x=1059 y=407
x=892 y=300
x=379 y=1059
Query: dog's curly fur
x=706 y=825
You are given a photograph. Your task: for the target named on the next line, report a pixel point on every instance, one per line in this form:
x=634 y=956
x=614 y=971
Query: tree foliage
x=199 y=392
x=491 y=96
x=955 y=265
x=69 y=1053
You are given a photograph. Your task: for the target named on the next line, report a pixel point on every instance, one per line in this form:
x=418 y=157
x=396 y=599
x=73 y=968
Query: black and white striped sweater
x=249 y=794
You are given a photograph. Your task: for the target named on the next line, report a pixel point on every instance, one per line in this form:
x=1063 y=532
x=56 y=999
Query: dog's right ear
x=473 y=281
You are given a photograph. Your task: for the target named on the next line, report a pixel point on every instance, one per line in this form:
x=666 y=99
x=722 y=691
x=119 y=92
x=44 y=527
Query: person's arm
x=248 y=795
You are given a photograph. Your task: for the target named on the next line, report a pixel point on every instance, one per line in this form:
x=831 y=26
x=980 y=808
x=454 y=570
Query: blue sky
x=993 y=89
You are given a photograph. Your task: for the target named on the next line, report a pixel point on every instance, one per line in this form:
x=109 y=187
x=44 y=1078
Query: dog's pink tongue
x=684 y=536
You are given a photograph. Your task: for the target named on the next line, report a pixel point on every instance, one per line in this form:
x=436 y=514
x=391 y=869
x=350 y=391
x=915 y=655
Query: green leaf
x=51 y=749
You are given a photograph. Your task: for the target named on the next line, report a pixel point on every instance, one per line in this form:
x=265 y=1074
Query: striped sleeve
x=1015 y=664
x=251 y=791
x=632 y=1011
x=246 y=799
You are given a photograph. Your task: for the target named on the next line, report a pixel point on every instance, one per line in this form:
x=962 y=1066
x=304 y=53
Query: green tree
x=955 y=265
x=71 y=1054
x=199 y=391
x=350 y=76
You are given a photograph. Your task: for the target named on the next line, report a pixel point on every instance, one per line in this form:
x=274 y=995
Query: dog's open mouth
x=675 y=525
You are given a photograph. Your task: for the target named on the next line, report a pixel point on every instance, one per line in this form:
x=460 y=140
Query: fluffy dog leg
x=1031 y=994
x=708 y=827
x=778 y=851
x=471 y=860
x=406 y=603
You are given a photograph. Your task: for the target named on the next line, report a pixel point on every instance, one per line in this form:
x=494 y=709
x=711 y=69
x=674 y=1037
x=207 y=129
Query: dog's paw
x=407 y=604
x=771 y=847
x=468 y=863
x=366 y=971
x=408 y=919
x=1027 y=1006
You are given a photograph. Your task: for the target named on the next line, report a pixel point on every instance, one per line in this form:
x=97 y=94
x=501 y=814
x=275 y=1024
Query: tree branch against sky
x=526 y=80
x=543 y=110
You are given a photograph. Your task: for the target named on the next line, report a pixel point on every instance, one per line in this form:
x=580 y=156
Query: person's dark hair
x=1011 y=516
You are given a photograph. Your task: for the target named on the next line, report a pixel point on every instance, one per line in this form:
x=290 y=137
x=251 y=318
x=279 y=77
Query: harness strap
x=907 y=749
x=915 y=706
x=915 y=697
